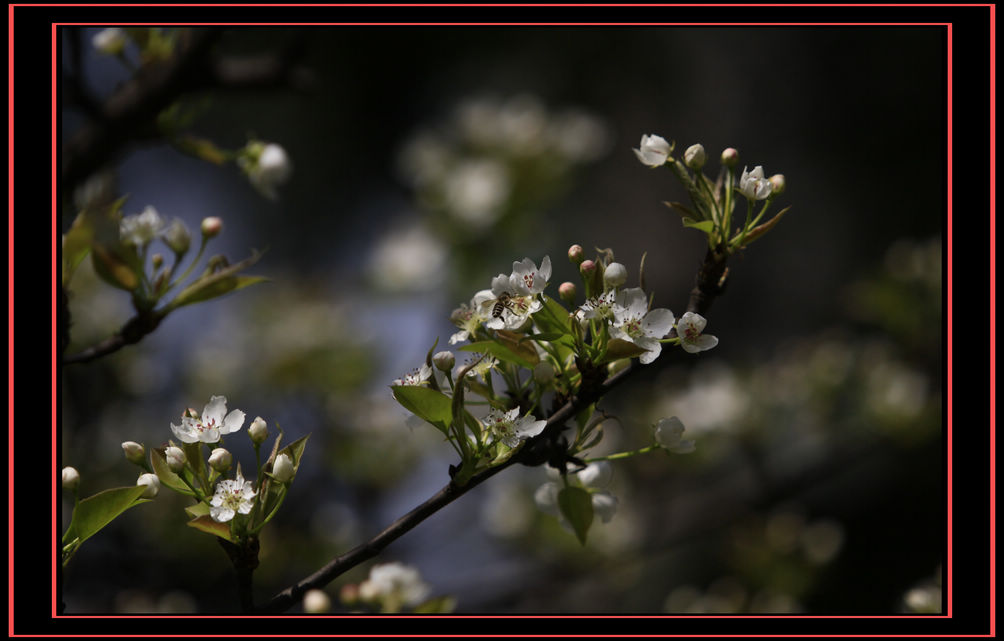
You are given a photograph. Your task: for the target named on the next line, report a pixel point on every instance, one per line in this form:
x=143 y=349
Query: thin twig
x=707 y=287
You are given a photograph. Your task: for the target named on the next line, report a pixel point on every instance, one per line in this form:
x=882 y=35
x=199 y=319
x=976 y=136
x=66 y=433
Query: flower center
x=632 y=326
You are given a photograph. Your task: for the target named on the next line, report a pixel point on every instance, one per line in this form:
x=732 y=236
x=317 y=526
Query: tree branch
x=708 y=286
x=135 y=329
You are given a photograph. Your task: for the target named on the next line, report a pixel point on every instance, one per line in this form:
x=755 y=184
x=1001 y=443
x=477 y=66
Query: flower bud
x=190 y=413
x=282 y=469
x=576 y=254
x=152 y=484
x=316 y=602
x=587 y=267
x=614 y=275
x=157 y=260
x=258 y=431
x=220 y=459
x=694 y=157
x=111 y=41
x=730 y=157
x=777 y=183
x=567 y=292
x=176 y=237
x=444 y=360
x=71 y=478
x=543 y=373
x=134 y=452
x=349 y=594
x=175 y=458
x=211 y=226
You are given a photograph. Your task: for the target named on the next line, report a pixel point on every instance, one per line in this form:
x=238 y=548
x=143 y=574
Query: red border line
x=55 y=270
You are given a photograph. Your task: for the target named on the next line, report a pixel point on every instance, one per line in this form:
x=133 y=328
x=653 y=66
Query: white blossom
x=517 y=306
x=394 y=582
x=110 y=41
x=689 y=329
x=635 y=323
x=417 y=376
x=653 y=151
x=753 y=185
x=140 y=229
x=213 y=423
x=526 y=279
x=669 y=435
x=469 y=317
x=268 y=166
x=232 y=497
x=175 y=458
x=511 y=428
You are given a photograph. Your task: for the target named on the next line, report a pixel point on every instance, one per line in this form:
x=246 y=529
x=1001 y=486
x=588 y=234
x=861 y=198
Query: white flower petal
x=693 y=321
x=545 y=268
x=654 y=349
x=597 y=474
x=184 y=434
x=233 y=422
x=658 y=322
x=604 y=505
x=215 y=410
x=634 y=301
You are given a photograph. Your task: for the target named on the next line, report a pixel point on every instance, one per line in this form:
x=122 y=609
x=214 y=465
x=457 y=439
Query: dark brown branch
x=134 y=106
x=132 y=332
x=130 y=114
x=709 y=285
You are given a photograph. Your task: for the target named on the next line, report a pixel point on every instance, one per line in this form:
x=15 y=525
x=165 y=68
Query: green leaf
x=219 y=283
x=509 y=350
x=206 y=524
x=197 y=510
x=761 y=229
x=618 y=349
x=76 y=244
x=704 y=225
x=116 y=266
x=427 y=404
x=213 y=287
x=438 y=605
x=577 y=506
x=95 y=512
x=164 y=473
x=554 y=319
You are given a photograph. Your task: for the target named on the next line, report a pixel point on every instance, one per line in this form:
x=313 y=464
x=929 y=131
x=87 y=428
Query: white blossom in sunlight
x=418 y=376
x=634 y=322
x=140 y=229
x=213 y=423
x=578 y=136
x=110 y=41
x=395 y=582
x=511 y=428
x=653 y=150
x=516 y=304
x=526 y=279
x=469 y=317
x=753 y=185
x=392 y=264
x=476 y=190
x=232 y=497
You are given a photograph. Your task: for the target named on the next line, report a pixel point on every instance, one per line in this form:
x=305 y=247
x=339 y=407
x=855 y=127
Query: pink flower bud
x=567 y=292
x=730 y=157
x=576 y=254
x=211 y=226
x=587 y=267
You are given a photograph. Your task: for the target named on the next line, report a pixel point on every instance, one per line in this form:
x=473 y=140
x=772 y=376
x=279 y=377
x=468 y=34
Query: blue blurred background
x=425 y=161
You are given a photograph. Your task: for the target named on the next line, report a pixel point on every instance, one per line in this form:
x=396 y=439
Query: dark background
x=818 y=316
